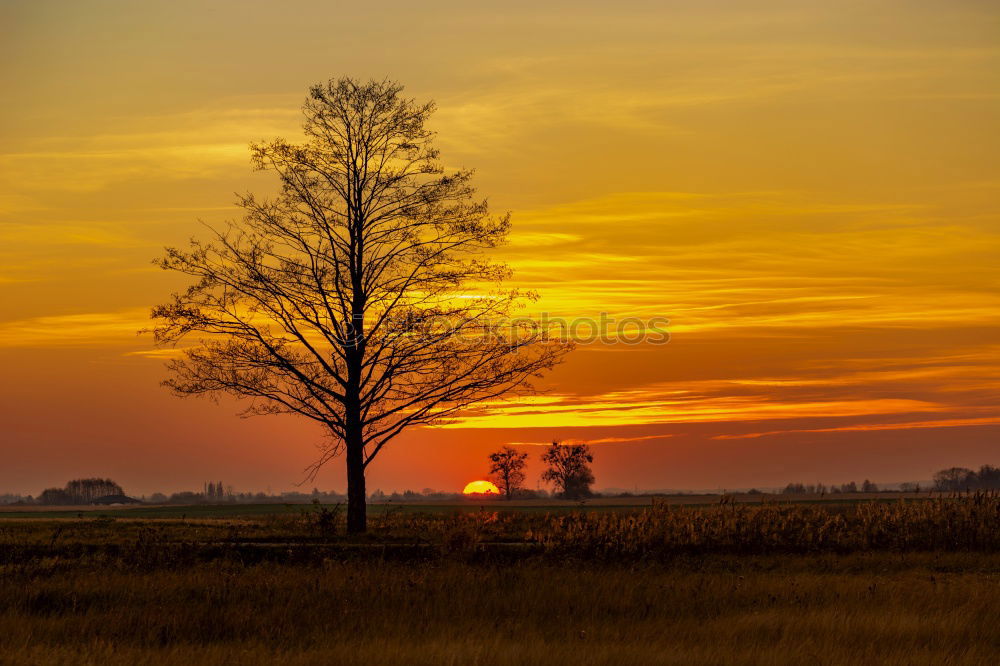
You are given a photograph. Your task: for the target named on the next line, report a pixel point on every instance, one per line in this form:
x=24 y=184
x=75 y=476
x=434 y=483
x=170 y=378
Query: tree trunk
x=357 y=510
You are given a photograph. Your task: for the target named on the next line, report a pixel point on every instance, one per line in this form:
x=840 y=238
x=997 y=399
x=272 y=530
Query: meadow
x=548 y=505
x=905 y=582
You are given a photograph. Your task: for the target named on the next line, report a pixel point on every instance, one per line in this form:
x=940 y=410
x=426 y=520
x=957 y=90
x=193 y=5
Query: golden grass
x=898 y=583
x=884 y=609
x=965 y=523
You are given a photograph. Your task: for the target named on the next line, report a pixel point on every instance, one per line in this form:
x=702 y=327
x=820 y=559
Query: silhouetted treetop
x=569 y=469
x=362 y=295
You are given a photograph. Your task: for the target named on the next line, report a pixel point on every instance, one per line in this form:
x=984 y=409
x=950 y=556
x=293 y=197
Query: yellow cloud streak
x=619 y=409
x=750 y=261
x=75 y=330
x=868 y=427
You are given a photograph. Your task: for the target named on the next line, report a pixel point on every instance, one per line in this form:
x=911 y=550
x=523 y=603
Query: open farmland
x=907 y=582
x=236 y=510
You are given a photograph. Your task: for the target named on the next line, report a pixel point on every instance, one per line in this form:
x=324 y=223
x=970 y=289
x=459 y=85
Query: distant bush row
x=81 y=491
x=820 y=489
x=89 y=491
x=953 y=479
x=961 y=479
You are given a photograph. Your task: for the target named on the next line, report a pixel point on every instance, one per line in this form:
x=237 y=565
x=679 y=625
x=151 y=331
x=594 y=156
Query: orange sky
x=808 y=190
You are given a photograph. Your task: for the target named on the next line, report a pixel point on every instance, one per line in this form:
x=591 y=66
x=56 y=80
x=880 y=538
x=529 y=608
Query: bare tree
x=954 y=479
x=569 y=469
x=362 y=296
x=507 y=469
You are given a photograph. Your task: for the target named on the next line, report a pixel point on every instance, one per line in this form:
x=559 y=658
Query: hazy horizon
x=531 y=484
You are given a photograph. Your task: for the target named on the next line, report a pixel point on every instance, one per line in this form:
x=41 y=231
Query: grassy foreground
x=875 y=609
x=907 y=584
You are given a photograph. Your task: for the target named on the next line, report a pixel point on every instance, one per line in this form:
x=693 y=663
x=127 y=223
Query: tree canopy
x=364 y=296
x=507 y=470
x=569 y=469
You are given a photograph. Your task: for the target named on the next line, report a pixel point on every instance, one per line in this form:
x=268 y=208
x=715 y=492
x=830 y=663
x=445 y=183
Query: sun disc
x=480 y=488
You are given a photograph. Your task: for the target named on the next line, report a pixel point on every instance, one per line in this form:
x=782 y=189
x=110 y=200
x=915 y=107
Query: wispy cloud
x=649 y=406
x=719 y=263
x=869 y=427
x=85 y=329
x=599 y=440
x=197 y=144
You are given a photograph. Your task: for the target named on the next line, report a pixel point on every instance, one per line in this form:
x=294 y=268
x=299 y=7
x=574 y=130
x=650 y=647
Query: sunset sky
x=809 y=191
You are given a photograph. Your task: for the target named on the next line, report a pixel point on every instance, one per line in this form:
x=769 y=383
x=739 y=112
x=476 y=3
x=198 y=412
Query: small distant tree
x=54 y=496
x=507 y=470
x=989 y=477
x=215 y=490
x=869 y=487
x=954 y=479
x=569 y=469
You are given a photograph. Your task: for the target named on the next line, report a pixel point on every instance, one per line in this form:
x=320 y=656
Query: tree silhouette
x=954 y=479
x=507 y=470
x=361 y=296
x=569 y=469
x=81 y=491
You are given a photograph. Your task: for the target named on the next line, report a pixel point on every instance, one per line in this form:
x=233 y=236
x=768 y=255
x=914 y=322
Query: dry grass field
x=467 y=503
x=900 y=583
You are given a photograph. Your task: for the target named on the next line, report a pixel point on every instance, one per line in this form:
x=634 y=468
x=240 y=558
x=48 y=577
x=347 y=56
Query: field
x=904 y=582
x=233 y=510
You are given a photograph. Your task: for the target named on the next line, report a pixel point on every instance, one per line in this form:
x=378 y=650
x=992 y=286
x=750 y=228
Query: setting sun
x=705 y=293
x=480 y=488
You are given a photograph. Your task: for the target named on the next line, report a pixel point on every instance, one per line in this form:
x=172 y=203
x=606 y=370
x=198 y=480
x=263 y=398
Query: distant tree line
x=961 y=479
x=821 y=489
x=81 y=491
x=953 y=479
x=568 y=470
x=213 y=492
